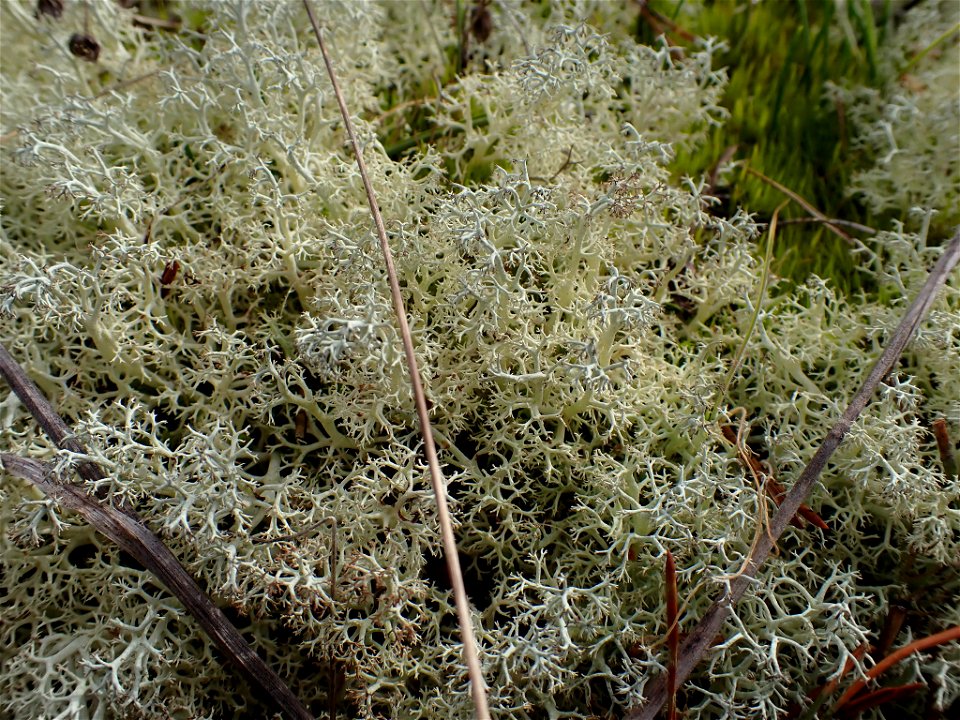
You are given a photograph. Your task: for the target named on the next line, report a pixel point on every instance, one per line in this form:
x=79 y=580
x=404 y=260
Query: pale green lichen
x=575 y=313
x=909 y=131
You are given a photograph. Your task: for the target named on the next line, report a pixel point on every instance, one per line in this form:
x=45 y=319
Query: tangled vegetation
x=188 y=270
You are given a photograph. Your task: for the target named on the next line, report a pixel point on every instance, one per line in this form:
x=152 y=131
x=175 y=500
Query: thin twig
x=923 y=53
x=726 y=157
x=259 y=539
x=123 y=84
x=756 y=472
x=402 y=106
x=700 y=639
x=148 y=22
x=127 y=530
x=801 y=202
x=654 y=17
x=51 y=423
x=831 y=221
x=471 y=655
x=566 y=164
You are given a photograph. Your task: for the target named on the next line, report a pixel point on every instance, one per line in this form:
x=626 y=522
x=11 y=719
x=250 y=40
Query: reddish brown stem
x=847 y=667
x=655 y=19
x=775 y=490
x=893 y=658
x=866 y=701
x=945 y=447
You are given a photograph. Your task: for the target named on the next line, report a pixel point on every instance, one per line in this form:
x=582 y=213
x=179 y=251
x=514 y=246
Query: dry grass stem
x=802 y=203
x=471 y=655
x=775 y=490
x=830 y=221
x=755 y=315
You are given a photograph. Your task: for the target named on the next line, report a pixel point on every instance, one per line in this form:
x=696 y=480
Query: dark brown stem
x=48 y=419
x=125 y=528
x=333 y=677
x=702 y=636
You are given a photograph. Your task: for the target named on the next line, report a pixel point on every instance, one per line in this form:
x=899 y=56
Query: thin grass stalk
x=831 y=221
x=470 y=652
x=761 y=293
x=923 y=53
x=801 y=202
x=702 y=636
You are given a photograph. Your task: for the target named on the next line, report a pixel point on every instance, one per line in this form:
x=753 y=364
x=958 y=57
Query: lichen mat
x=188 y=272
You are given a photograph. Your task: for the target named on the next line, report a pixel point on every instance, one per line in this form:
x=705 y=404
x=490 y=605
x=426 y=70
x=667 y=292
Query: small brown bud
x=168 y=276
x=170 y=271
x=84 y=47
x=481 y=22
x=53 y=8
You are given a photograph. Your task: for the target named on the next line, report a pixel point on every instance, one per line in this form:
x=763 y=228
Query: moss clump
x=851 y=105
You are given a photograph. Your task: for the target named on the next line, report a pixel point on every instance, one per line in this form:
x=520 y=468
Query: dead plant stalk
x=702 y=636
x=471 y=655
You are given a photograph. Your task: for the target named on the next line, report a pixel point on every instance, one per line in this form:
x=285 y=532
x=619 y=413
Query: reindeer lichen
x=575 y=312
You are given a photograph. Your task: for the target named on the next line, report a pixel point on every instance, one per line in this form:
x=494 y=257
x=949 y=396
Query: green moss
x=782 y=59
x=778 y=58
